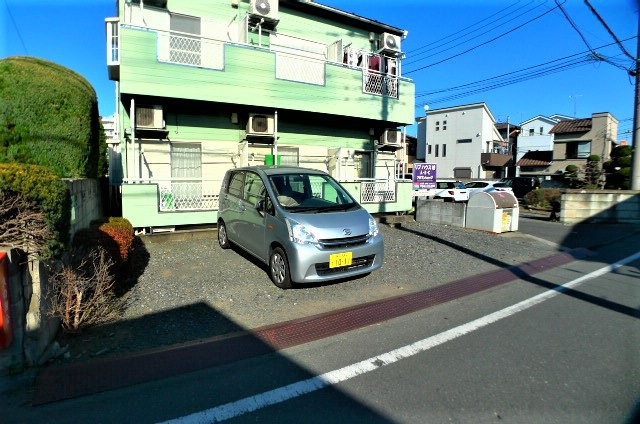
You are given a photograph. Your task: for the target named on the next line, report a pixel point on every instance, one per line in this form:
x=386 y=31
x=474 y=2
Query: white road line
x=282 y=394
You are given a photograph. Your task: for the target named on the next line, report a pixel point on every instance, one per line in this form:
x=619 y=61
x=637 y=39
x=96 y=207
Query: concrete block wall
x=86 y=203
x=437 y=211
x=605 y=206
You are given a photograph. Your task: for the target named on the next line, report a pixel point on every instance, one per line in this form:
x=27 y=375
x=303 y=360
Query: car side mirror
x=260 y=206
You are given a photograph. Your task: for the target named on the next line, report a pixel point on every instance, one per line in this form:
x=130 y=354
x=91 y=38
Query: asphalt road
x=546 y=364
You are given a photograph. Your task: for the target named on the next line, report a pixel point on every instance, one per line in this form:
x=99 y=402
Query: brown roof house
x=577 y=139
x=573 y=142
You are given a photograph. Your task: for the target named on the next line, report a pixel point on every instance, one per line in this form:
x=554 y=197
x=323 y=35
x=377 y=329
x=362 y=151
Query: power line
x=466 y=32
x=16 y=27
x=573 y=24
x=488 y=84
x=595 y=12
x=482 y=44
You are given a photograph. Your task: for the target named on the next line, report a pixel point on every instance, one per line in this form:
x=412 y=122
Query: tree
x=592 y=172
x=618 y=169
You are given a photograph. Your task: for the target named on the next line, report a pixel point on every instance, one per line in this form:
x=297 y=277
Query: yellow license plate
x=340 y=259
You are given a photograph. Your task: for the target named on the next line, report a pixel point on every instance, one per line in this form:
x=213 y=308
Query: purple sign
x=424 y=176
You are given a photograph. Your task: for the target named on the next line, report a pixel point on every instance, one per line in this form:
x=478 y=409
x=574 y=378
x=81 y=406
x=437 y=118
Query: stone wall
x=600 y=206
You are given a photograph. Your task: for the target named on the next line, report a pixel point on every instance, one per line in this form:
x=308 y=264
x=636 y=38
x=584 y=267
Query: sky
x=523 y=58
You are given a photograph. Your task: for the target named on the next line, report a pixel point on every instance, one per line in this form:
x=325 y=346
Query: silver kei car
x=300 y=222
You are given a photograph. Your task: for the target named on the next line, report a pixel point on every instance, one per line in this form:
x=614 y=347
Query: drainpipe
x=132 y=114
x=275 y=137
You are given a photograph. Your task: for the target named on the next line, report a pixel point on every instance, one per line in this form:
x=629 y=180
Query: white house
x=535 y=135
x=460 y=141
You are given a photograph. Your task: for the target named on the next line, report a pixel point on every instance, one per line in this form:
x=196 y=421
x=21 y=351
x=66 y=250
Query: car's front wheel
x=279 y=269
x=223 y=240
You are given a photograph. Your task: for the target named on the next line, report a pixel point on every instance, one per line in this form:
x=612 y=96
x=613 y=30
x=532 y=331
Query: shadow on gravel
x=265 y=268
x=457 y=247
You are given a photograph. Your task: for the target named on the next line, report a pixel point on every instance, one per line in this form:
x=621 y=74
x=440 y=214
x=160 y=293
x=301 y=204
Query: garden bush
x=49 y=117
x=42 y=191
x=115 y=236
x=543 y=197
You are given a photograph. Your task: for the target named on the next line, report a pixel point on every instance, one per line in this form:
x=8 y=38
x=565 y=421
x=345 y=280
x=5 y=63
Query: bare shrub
x=82 y=294
x=22 y=226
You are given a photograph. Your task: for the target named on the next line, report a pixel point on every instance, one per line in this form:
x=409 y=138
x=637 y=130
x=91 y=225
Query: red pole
x=6 y=328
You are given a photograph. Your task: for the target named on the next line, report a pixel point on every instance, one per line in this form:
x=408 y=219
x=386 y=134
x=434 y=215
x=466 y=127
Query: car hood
x=334 y=225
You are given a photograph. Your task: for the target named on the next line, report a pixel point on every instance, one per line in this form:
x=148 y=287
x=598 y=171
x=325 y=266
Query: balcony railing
x=381 y=191
x=181 y=194
x=193 y=50
x=381 y=84
x=495 y=159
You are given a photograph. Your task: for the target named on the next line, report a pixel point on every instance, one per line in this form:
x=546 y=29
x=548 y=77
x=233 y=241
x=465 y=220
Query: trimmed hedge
x=543 y=197
x=48 y=193
x=115 y=236
x=49 y=117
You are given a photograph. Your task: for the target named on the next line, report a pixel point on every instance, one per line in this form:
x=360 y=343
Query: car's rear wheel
x=223 y=240
x=279 y=269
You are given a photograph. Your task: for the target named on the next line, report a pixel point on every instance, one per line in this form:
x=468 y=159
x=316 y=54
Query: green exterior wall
x=249 y=78
x=198 y=103
x=141 y=209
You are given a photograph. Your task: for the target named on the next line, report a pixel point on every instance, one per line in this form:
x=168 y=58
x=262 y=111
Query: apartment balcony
x=179 y=65
x=495 y=160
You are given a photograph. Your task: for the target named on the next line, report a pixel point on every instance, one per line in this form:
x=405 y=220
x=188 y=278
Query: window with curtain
x=186 y=162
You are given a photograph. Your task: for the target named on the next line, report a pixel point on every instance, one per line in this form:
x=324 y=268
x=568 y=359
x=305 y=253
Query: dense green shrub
x=46 y=192
x=49 y=117
x=618 y=169
x=542 y=197
x=592 y=172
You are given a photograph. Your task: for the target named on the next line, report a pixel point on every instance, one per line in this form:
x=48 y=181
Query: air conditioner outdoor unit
x=389 y=43
x=149 y=117
x=264 y=9
x=391 y=137
x=260 y=124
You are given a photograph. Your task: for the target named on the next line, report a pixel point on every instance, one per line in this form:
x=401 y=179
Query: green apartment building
x=208 y=85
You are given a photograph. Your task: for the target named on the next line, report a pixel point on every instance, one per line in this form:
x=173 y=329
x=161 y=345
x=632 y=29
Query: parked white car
x=477 y=186
x=451 y=191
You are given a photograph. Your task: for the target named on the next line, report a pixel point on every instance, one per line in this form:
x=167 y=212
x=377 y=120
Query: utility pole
x=635 y=166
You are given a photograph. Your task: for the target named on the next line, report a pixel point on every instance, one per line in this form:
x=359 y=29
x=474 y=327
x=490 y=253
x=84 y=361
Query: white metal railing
x=185 y=49
x=379 y=191
x=184 y=194
x=188 y=195
x=188 y=49
x=381 y=84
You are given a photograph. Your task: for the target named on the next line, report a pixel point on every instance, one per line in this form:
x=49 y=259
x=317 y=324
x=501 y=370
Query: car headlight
x=298 y=233
x=373 y=227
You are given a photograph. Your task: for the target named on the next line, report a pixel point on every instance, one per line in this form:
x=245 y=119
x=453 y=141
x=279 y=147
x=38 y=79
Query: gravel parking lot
x=192 y=289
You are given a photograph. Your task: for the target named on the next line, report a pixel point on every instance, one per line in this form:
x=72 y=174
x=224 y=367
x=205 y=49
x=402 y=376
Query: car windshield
x=311 y=193
x=475 y=184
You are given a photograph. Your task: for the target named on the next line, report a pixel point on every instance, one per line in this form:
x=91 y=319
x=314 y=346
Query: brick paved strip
x=61 y=382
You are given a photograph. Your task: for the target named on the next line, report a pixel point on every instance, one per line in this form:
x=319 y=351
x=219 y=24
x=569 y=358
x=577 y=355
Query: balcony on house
x=233 y=71
x=495 y=160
